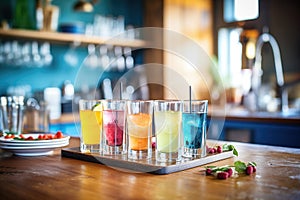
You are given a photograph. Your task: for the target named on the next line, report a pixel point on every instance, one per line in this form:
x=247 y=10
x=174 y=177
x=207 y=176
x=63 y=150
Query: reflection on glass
x=240 y=10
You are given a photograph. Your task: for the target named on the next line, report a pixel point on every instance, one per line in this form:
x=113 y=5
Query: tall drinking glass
x=139 y=129
x=90 y=112
x=167 y=123
x=11 y=114
x=194 y=128
x=114 y=139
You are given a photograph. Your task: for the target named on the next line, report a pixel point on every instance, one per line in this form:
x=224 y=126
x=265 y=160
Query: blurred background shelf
x=59 y=37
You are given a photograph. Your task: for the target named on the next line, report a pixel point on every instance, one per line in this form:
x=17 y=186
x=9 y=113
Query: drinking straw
x=121 y=89
x=190 y=97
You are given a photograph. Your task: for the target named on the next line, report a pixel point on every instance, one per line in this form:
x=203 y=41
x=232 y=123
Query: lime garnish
x=97 y=107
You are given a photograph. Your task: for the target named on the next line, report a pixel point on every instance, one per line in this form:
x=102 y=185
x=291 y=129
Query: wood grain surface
x=149 y=166
x=57 y=177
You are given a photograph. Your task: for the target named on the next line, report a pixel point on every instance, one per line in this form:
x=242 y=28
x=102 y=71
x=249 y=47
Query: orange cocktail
x=139 y=127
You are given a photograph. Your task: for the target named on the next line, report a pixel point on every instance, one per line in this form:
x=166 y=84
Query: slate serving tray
x=151 y=166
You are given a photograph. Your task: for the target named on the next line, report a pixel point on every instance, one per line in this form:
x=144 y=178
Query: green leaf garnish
x=222 y=168
x=230 y=147
x=18 y=138
x=252 y=164
x=211 y=167
x=240 y=166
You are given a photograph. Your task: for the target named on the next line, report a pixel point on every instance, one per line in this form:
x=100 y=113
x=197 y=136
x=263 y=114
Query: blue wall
x=54 y=75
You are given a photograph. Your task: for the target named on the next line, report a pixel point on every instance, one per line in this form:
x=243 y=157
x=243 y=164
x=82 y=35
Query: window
x=230 y=54
x=240 y=10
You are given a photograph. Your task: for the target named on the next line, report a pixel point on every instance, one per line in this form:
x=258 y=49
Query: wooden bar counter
x=57 y=177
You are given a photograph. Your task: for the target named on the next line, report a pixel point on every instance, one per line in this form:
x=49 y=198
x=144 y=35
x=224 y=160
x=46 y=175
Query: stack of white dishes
x=33 y=147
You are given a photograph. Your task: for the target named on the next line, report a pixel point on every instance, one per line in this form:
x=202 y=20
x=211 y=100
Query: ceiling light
x=84 y=6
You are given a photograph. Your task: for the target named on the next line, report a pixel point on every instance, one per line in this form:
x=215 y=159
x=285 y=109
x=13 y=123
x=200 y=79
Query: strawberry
x=29 y=138
x=40 y=137
x=229 y=171
x=219 y=149
x=222 y=175
x=59 y=135
x=249 y=170
x=208 y=171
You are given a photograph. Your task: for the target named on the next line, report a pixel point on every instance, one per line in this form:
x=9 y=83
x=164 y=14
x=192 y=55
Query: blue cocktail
x=194 y=128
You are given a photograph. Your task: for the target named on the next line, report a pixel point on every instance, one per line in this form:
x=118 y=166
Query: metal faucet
x=257 y=70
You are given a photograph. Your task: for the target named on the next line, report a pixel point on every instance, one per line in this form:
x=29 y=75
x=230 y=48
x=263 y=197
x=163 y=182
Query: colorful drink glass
x=90 y=112
x=194 y=128
x=113 y=129
x=167 y=123
x=139 y=129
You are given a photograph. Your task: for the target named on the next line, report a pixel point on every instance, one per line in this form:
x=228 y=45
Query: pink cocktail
x=113 y=127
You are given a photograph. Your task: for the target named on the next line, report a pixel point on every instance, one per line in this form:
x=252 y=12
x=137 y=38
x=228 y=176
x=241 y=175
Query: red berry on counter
x=249 y=170
x=254 y=169
x=219 y=149
x=229 y=171
x=208 y=171
x=211 y=150
x=222 y=175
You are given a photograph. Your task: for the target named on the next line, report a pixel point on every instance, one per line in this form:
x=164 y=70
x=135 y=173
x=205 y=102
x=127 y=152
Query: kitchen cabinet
x=258 y=128
x=137 y=13
x=57 y=37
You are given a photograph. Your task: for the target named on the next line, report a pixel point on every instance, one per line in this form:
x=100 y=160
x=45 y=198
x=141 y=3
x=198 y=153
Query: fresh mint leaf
x=225 y=147
x=211 y=167
x=17 y=138
x=221 y=168
x=224 y=168
x=235 y=152
x=230 y=147
x=252 y=164
x=240 y=166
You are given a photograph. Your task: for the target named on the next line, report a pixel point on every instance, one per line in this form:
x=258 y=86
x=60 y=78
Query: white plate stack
x=33 y=147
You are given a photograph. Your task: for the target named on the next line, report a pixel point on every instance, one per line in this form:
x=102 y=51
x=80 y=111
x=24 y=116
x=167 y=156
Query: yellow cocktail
x=91 y=126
